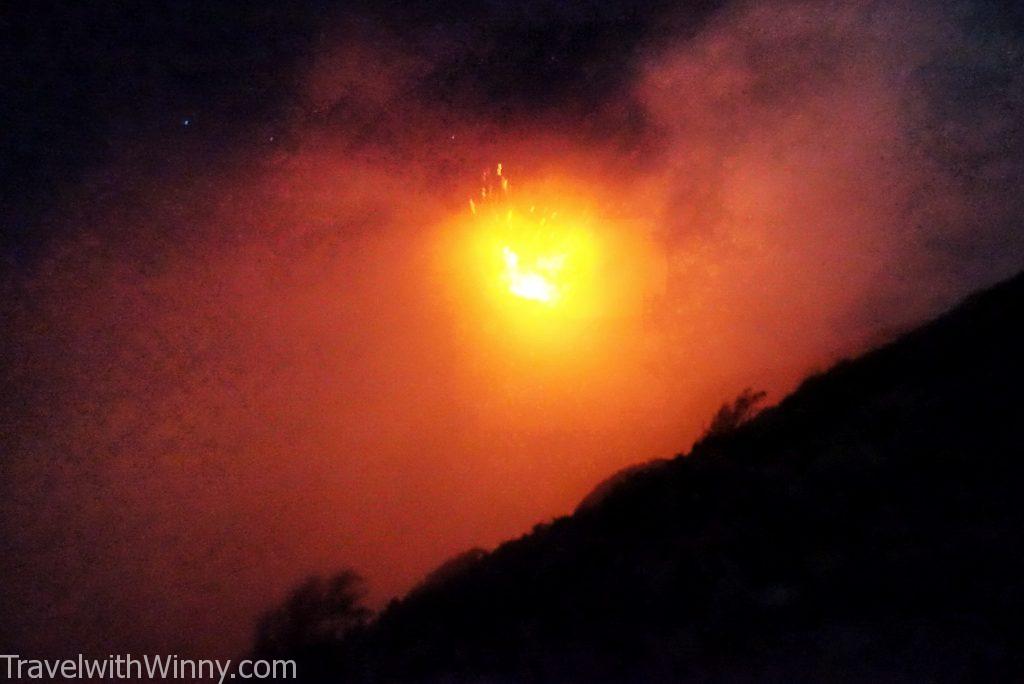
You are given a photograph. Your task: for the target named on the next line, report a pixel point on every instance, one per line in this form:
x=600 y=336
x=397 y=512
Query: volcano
x=870 y=527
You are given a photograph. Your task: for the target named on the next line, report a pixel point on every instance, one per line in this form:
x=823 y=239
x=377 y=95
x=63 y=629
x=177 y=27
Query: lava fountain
x=536 y=254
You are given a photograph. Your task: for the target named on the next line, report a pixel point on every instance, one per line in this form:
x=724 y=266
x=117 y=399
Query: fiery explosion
x=533 y=252
x=537 y=282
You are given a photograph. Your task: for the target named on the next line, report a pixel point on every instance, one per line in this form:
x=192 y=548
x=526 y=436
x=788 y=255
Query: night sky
x=241 y=340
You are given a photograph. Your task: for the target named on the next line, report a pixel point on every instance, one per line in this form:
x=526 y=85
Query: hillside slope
x=868 y=528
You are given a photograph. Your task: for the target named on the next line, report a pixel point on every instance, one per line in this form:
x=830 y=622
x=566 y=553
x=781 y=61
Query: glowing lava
x=538 y=255
x=536 y=283
x=548 y=270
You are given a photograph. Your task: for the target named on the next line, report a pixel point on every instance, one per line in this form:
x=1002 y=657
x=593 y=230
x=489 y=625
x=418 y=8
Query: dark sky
x=237 y=348
x=82 y=80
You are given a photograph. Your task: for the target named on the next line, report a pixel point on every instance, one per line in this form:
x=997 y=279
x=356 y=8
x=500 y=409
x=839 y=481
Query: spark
x=536 y=257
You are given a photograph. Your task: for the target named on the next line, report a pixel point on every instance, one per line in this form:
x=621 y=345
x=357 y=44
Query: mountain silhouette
x=870 y=527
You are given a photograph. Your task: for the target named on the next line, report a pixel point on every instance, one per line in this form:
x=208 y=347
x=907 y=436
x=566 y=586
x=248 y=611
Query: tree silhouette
x=731 y=416
x=319 y=612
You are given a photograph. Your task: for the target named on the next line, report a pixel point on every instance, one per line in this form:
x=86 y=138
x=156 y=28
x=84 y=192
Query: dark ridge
x=868 y=528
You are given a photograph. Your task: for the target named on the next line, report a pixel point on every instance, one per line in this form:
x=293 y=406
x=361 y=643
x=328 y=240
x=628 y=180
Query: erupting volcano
x=271 y=309
x=538 y=249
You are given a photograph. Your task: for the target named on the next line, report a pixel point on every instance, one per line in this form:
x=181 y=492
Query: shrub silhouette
x=731 y=416
x=318 y=612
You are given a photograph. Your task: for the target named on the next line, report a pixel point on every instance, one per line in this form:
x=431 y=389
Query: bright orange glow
x=536 y=282
x=536 y=252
